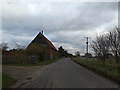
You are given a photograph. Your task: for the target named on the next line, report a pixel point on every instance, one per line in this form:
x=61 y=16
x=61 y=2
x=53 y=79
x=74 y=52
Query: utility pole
x=87 y=44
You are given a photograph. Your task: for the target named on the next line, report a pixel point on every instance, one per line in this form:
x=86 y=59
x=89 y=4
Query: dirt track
x=23 y=74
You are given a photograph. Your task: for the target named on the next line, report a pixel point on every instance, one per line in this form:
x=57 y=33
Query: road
x=67 y=74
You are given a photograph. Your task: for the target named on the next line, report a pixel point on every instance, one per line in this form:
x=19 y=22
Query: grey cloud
x=62 y=22
x=93 y=15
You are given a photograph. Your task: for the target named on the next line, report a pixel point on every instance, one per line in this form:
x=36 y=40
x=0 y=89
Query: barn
x=50 y=50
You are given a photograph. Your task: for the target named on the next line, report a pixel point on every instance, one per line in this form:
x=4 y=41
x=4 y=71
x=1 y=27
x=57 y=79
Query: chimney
x=42 y=32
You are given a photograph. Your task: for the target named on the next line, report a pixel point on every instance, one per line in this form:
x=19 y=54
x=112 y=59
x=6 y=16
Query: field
x=108 y=69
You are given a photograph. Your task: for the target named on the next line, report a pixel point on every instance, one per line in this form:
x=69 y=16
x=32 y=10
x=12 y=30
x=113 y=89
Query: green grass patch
x=7 y=80
x=108 y=69
x=38 y=63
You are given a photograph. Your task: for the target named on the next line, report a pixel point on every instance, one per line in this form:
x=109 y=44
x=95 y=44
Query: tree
x=107 y=45
x=77 y=53
x=63 y=53
x=19 y=47
x=4 y=46
x=100 y=47
x=118 y=30
x=114 y=42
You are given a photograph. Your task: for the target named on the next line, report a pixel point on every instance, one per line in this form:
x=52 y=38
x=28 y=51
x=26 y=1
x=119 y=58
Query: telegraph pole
x=87 y=44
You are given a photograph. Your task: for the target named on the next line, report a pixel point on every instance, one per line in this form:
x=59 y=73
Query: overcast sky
x=64 y=24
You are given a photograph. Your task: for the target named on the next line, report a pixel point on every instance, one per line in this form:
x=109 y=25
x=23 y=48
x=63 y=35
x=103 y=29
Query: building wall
x=51 y=53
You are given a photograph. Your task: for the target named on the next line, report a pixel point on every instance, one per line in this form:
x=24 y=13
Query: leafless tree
x=100 y=47
x=77 y=53
x=4 y=46
x=19 y=47
x=107 y=44
x=114 y=42
x=119 y=41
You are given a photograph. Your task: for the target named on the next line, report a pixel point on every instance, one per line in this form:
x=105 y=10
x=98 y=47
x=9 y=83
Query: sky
x=64 y=23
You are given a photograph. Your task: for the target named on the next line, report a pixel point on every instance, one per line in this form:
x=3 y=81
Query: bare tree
x=77 y=53
x=107 y=44
x=4 y=46
x=114 y=42
x=100 y=47
x=19 y=47
x=119 y=41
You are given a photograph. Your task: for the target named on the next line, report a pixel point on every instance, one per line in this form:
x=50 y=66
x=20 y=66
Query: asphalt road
x=67 y=74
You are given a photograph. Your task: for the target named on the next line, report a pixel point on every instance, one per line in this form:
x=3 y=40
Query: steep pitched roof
x=41 y=39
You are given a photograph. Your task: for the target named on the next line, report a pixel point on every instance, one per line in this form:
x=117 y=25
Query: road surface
x=67 y=74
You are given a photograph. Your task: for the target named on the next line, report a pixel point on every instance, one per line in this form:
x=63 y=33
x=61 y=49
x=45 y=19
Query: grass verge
x=109 y=69
x=7 y=80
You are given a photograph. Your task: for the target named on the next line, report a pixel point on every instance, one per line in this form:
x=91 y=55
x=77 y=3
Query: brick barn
x=50 y=50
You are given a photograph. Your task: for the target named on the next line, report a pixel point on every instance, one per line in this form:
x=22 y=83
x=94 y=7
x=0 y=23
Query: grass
x=38 y=63
x=7 y=80
x=108 y=69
